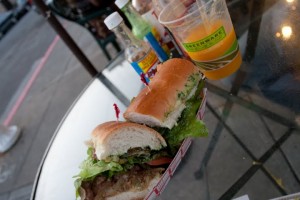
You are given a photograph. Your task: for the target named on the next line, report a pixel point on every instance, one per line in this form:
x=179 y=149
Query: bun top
x=116 y=138
x=172 y=78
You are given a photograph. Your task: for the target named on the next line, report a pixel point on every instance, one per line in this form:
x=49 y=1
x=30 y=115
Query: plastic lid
x=113 y=20
x=121 y=3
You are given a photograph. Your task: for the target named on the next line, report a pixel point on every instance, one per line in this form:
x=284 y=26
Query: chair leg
x=106 y=53
x=116 y=45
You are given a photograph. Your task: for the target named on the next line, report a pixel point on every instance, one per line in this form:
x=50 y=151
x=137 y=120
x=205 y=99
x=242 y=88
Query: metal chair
x=91 y=19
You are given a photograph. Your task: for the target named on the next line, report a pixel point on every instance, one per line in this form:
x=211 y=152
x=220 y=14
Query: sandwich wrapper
x=164 y=180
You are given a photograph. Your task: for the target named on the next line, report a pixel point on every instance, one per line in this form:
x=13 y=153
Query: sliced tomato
x=160 y=161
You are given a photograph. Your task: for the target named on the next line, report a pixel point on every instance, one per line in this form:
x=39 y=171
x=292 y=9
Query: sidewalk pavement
x=59 y=82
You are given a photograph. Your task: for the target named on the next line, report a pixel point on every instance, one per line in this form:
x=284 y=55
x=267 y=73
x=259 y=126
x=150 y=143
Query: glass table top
x=253 y=117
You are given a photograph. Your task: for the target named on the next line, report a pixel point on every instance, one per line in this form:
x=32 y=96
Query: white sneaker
x=8 y=137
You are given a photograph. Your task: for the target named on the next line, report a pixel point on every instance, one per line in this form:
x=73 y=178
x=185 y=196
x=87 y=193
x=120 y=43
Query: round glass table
x=253 y=117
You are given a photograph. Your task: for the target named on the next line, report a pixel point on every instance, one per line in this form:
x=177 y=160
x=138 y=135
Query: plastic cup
x=205 y=32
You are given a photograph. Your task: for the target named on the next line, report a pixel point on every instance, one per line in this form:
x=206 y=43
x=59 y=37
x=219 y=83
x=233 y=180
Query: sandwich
x=171 y=102
x=127 y=159
x=120 y=162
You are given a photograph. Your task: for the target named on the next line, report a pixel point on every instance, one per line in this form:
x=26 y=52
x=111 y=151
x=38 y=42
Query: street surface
x=25 y=43
x=32 y=53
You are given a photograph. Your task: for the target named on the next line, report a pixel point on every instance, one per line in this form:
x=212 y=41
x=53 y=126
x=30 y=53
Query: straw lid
x=121 y=3
x=113 y=20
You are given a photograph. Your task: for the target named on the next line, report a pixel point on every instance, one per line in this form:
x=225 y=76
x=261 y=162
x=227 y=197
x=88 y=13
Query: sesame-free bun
x=160 y=106
x=116 y=138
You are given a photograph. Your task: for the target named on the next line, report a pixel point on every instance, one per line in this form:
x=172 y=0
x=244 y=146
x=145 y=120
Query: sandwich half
x=171 y=102
x=118 y=160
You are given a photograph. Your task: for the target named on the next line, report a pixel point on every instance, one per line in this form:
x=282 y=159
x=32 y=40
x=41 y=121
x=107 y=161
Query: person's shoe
x=8 y=138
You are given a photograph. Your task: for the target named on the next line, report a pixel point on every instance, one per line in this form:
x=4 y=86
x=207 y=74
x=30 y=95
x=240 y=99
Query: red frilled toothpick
x=117 y=110
x=143 y=79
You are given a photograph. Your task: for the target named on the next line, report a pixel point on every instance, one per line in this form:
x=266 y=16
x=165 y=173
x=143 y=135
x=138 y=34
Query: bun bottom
x=136 y=195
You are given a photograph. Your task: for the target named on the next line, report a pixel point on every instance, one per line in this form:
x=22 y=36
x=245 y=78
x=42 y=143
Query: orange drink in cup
x=205 y=32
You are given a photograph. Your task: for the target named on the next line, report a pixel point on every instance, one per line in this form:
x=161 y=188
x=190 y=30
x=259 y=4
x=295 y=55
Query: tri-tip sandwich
x=171 y=102
x=119 y=162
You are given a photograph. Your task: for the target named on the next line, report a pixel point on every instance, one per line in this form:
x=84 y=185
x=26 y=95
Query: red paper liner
x=164 y=180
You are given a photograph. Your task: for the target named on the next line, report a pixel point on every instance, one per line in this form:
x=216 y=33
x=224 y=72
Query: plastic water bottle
x=146 y=9
x=141 y=28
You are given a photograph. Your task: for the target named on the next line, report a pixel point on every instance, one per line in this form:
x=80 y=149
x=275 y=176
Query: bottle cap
x=113 y=20
x=121 y=3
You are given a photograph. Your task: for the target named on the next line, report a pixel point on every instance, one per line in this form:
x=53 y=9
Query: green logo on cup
x=206 y=42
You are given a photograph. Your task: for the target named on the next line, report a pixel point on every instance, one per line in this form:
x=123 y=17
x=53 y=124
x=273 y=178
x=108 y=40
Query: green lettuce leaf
x=91 y=167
